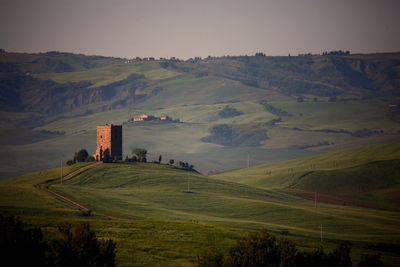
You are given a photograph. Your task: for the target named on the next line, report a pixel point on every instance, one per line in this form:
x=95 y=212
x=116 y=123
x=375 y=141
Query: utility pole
x=315 y=199
x=248 y=160
x=321 y=232
x=61 y=171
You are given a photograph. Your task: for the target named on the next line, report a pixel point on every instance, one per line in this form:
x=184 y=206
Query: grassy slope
x=328 y=172
x=19 y=194
x=156 y=193
x=375 y=182
x=159 y=191
x=111 y=73
x=140 y=242
x=177 y=243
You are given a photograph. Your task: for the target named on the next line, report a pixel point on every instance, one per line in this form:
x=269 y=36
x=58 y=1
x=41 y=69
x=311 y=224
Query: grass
x=196 y=101
x=19 y=194
x=375 y=182
x=158 y=191
x=368 y=174
x=177 y=243
x=183 y=141
x=167 y=225
x=111 y=73
x=284 y=174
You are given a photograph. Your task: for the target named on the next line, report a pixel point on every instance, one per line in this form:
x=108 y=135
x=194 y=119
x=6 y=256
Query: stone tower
x=109 y=138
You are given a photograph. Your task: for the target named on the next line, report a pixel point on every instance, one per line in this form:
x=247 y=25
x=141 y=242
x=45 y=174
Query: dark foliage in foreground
x=19 y=246
x=75 y=246
x=262 y=249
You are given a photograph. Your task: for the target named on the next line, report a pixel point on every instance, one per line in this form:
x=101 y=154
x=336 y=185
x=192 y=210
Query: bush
x=262 y=249
x=79 y=246
x=20 y=246
x=141 y=154
x=106 y=156
x=82 y=155
x=370 y=261
x=86 y=213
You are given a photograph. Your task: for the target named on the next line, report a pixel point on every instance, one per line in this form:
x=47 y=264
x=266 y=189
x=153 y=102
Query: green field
x=172 y=214
x=194 y=92
x=111 y=73
x=306 y=125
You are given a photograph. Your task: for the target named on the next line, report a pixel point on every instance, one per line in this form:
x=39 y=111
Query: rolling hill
x=288 y=107
x=368 y=174
x=170 y=214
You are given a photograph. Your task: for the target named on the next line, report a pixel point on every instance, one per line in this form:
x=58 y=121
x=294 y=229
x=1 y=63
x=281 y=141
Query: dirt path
x=45 y=187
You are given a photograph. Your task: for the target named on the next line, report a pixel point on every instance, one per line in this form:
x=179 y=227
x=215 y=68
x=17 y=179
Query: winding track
x=45 y=187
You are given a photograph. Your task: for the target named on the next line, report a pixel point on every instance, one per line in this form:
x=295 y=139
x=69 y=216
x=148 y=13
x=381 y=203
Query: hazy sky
x=189 y=28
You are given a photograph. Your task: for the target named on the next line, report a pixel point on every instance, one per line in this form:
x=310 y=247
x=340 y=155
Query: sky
x=190 y=28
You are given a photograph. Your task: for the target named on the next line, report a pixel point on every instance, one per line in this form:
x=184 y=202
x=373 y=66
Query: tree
x=171 y=161
x=159 y=159
x=82 y=155
x=370 y=261
x=76 y=246
x=106 y=156
x=256 y=249
x=341 y=255
x=141 y=154
x=263 y=249
x=20 y=246
x=79 y=246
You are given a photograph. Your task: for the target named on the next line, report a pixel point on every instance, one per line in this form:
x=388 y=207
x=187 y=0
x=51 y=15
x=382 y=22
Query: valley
x=350 y=107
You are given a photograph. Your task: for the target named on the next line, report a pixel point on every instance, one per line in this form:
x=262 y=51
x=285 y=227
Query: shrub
x=79 y=246
x=86 y=213
x=262 y=249
x=20 y=246
x=370 y=261
x=82 y=155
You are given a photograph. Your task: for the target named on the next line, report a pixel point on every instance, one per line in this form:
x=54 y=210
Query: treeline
x=137 y=155
x=140 y=155
x=74 y=246
x=262 y=249
x=80 y=156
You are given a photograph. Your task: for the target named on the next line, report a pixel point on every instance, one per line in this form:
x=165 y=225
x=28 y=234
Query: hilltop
x=276 y=108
